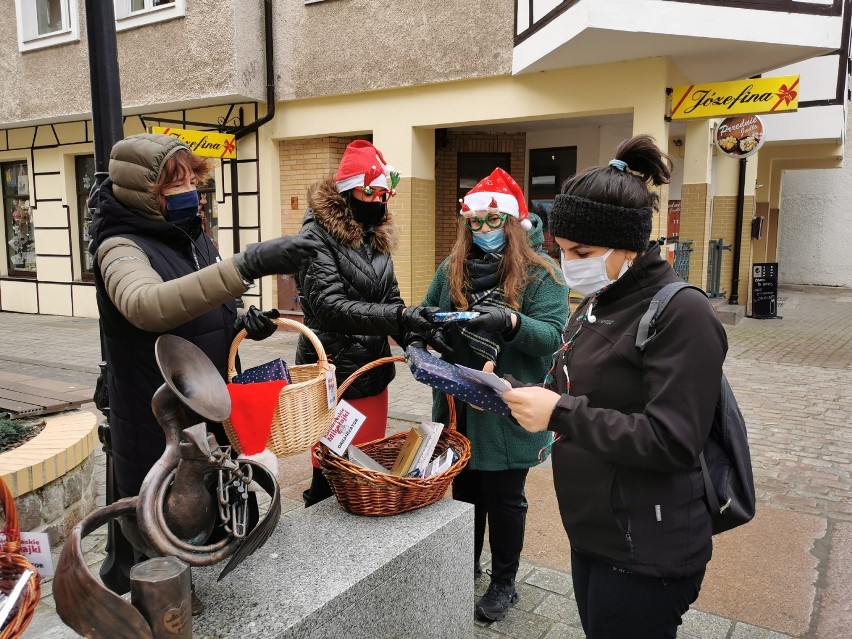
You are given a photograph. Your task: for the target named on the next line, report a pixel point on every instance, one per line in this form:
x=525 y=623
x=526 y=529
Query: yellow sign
x=722 y=99
x=207 y=143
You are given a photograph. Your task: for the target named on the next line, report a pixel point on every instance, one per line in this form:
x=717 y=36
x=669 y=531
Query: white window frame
x=28 y=37
x=126 y=19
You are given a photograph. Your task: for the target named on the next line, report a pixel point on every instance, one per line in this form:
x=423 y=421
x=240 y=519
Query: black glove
x=434 y=338
x=417 y=319
x=258 y=325
x=284 y=255
x=492 y=319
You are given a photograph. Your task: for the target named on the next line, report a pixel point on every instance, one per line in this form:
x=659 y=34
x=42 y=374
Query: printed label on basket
x=347 y=421
x=330 y=389
x=36 y=548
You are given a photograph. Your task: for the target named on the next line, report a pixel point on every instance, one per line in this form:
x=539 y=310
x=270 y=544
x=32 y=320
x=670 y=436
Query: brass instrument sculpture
x=192 y=488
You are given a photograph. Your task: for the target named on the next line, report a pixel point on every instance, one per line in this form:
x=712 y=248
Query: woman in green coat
x=497 y=269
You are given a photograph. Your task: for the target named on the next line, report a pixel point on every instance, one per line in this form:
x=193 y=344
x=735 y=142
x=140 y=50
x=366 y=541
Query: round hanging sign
x=740 y=136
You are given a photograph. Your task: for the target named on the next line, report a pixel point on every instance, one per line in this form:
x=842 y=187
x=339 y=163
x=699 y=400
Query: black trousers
x=614 y=604
x=498 y=499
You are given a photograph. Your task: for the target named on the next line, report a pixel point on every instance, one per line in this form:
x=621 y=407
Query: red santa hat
x=252 y=409
x=497 y=192
x=363 y=165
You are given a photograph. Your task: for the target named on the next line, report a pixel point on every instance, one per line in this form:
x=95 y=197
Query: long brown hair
x=514 y=273
x=175 y=171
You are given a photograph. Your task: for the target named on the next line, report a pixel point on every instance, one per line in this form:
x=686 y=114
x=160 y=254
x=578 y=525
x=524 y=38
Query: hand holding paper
x=532 y=406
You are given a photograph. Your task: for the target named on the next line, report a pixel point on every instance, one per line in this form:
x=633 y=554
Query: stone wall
x=58 y=506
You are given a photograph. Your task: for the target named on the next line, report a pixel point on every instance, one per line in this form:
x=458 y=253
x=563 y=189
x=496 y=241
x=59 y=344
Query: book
x=407 y=453
x=346 y=423
x=430 y=431
x=358 y=456
x=441 y=463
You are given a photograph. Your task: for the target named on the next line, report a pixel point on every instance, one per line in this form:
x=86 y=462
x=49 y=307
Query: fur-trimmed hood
x=328 y=209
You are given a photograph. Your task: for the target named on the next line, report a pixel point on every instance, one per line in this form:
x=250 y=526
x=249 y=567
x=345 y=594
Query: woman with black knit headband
x=630 y=424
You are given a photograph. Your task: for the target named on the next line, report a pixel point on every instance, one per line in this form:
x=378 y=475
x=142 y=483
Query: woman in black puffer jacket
x=349 y=293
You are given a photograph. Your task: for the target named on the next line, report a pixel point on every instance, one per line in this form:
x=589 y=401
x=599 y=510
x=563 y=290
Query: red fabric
x=361 y=157
x=252 y=408
x=375 y=409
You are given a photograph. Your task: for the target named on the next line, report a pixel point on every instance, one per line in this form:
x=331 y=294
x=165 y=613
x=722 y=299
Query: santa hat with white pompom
x=497 y=193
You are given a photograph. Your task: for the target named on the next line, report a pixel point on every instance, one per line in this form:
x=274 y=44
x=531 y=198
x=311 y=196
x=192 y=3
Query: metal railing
x=683 y=249
x=538 y=13
x=714 y=268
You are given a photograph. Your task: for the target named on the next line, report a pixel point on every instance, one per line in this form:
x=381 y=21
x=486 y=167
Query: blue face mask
x=491 y=242
x=181 y=206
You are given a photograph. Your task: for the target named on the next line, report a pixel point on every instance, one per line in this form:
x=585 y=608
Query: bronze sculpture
x=194 y=489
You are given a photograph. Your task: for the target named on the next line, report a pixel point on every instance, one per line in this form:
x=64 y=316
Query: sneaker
x=496 y=601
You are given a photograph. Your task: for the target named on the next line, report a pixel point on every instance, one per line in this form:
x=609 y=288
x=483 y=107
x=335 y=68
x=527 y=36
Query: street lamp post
x=107 y=129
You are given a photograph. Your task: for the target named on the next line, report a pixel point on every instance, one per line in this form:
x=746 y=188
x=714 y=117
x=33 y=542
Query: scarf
x=485 y=288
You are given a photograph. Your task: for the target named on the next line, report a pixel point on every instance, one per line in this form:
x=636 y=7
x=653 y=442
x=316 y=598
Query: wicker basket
x=302 y=414
x=367 y=492
x=12 y=566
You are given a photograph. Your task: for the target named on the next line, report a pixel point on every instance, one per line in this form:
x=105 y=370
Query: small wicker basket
x=302 y=414
x=375 y=494
x=12 y=566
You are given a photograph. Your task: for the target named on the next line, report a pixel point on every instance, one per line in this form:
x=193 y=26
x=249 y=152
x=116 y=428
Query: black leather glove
x=284 y=255
x=258 y=325
x=434 y=338
x=492 y=319
x=417 y=319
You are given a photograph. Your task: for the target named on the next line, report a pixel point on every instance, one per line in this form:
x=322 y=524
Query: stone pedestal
x=326 y=573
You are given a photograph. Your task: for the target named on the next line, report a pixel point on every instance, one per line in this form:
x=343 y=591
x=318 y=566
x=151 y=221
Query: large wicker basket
x=367 y=492
x=12 y=566
x=302 y=414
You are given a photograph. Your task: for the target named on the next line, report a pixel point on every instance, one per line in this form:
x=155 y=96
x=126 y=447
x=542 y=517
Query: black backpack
x=725 y=460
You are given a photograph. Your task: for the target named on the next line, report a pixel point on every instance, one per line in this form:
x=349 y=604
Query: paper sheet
x=489 y=379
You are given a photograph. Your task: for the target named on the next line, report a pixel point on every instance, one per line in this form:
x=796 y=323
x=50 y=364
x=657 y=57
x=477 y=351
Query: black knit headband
x=597 y=224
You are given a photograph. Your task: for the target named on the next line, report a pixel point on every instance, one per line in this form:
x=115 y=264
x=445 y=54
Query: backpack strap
x=708 y=486
x=647 y=325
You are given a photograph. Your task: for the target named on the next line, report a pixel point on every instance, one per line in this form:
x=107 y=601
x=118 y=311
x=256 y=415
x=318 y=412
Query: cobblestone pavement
x=792 y=378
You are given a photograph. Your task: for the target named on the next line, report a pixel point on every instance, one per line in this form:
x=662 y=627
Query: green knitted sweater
x=498 y=443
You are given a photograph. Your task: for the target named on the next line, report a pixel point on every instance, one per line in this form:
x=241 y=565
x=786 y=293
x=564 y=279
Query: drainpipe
x=254 y=126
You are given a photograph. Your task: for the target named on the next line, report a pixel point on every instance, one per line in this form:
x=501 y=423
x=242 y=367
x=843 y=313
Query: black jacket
x=349 y=293
x=626 y=468
x=132 y=373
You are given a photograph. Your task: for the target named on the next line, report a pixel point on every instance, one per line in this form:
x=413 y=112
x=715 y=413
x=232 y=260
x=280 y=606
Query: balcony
x=708 y=41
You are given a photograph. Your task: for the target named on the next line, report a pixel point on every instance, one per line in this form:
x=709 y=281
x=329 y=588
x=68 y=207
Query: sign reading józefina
x=740 y=136
x=721 y=99
x=205 y=143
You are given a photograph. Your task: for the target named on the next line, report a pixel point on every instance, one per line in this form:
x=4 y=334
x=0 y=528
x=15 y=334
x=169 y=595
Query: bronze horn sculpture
x=194 y=488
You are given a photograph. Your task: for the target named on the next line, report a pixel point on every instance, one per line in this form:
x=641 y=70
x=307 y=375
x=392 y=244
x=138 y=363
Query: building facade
x=446 y=90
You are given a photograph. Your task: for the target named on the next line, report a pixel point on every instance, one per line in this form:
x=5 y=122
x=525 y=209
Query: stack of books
x=414 y=456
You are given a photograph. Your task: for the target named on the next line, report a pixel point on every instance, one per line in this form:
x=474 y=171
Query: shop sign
x=721 y=99
x=741 y=136
x=207 y=143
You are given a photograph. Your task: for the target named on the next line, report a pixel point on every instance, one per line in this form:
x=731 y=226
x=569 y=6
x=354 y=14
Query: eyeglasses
x=375 y=193
x=492 y=221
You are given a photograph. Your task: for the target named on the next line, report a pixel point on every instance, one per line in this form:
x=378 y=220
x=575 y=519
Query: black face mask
x=367 y=213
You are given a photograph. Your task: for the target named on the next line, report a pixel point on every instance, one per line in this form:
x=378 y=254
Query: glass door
x=84 y=171
x=20 y=232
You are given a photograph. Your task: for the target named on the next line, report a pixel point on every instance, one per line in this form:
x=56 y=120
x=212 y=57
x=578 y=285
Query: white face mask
x=588 y=275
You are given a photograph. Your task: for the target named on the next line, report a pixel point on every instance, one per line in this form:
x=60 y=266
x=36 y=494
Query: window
x=209 y=210
x=18 y=218
x=130 y=14
x=84 y=171
x=45 y=23
x=472 y=167
x=548 y=169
